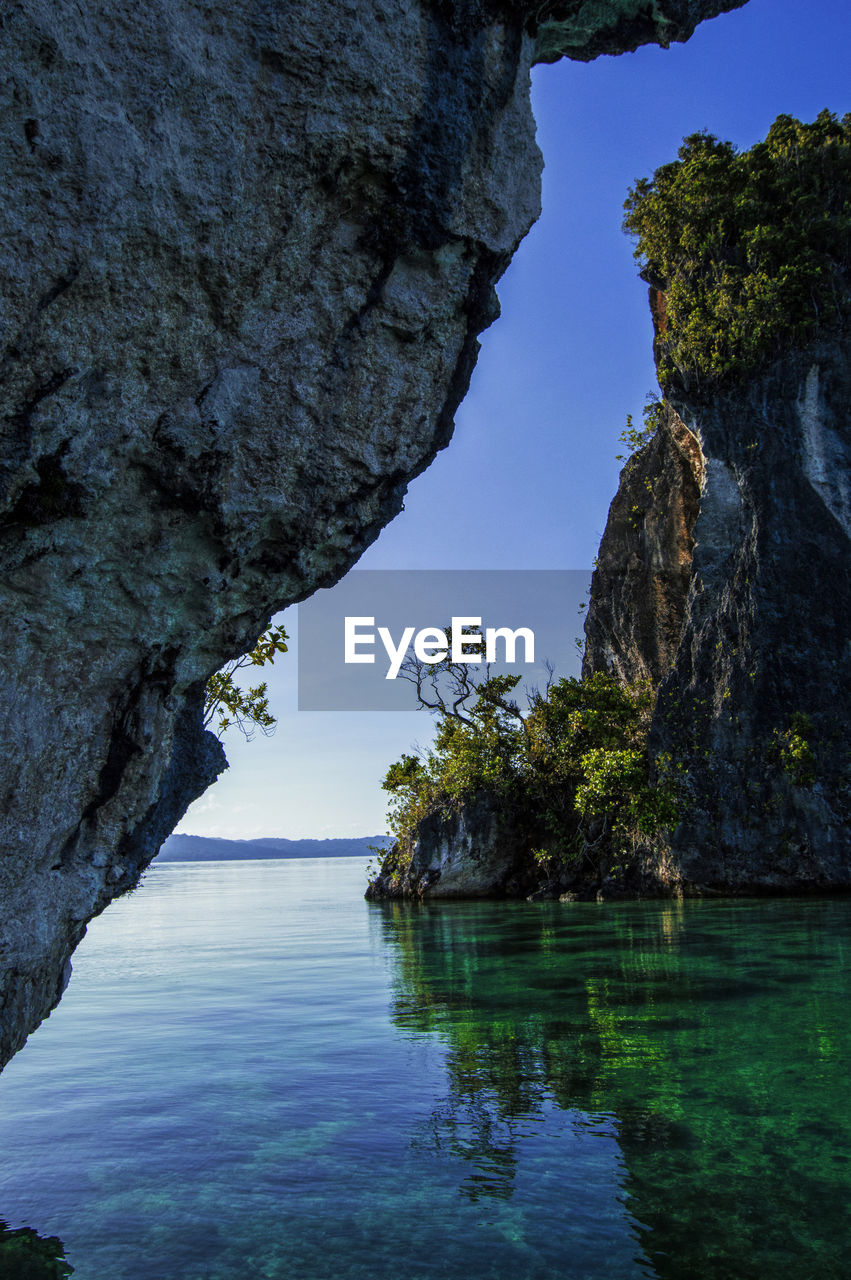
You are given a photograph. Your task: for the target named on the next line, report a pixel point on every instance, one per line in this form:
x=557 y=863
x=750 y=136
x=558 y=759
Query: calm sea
x=254 y=1073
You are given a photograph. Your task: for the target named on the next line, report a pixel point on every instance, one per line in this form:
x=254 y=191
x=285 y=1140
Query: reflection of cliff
x=25 y=1255
x=693 y=1028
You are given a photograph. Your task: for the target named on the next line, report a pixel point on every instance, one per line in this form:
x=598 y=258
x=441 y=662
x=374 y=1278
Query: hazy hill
x=208 y=849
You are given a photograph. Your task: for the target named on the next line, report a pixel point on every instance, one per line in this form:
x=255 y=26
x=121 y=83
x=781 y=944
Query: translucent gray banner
x=359 y=640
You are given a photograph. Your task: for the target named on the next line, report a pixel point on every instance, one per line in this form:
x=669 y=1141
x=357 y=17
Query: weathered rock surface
x=246 y=252
x=763 y=650
x=722 y=580
x=469 y=852
x=641 y=582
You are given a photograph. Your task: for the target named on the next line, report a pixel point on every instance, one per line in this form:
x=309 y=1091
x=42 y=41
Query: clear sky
x=528 y=478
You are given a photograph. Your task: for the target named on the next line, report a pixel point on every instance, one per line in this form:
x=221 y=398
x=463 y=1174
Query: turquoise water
x=256 y=1074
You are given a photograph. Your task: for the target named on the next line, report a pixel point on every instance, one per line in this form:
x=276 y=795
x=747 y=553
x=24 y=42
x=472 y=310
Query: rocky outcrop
x=472 y=851
x=639 y=595
x=721 y=593
x=641 y=580
x=753 y=691
x=246 y=253
x=751 y=306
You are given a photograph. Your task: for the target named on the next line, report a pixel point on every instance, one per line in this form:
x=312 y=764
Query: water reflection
x=711 y=1038
x=25 y=1255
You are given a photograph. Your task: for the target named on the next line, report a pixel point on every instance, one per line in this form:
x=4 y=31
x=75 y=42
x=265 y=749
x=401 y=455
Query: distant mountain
x=209 y=849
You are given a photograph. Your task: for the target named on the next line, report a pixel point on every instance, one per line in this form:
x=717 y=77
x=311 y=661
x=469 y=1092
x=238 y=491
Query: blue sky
x=528 y=478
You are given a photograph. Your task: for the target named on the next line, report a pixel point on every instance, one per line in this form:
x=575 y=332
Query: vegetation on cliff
x=227 y=704
x=747 y=249
x=748 y=256
x=572 y=772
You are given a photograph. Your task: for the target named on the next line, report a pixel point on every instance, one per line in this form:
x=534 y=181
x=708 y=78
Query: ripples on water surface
x=256 y=1074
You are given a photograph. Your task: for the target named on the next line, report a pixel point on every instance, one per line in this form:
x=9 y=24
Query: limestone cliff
x=753 y=661
x=246 y=249
x=763 y=651
x=722 y=581
x=641 y=580
x=720 y=610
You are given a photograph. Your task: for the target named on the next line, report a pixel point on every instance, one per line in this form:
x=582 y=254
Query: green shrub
x=481 y=753
x=794 y=750
x=748 y=248
x=573 y=772
x=634 y=438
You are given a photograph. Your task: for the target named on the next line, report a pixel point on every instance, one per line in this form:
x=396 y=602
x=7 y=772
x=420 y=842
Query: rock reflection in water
x=710 y=1037
x=25 y=1255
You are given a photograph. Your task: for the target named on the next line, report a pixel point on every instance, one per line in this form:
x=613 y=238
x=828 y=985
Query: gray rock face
x=763 y=654
x=246 y=251
x=469 y=852
x=640 y=586
x=765 y=650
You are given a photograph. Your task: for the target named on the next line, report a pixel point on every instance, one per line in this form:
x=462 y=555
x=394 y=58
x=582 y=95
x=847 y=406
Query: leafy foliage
x=248 y=709
x=590 y=768
x=634 y=438
x=573 y=771
x=481 y=752
x=795 y=752
x=748 y=248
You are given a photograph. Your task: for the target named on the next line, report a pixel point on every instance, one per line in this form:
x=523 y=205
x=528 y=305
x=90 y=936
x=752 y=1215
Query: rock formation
x=722 y=580
x=469 y=852
x=751 y=314
x=762 y=649
x=643 y=571
x=246 y=253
